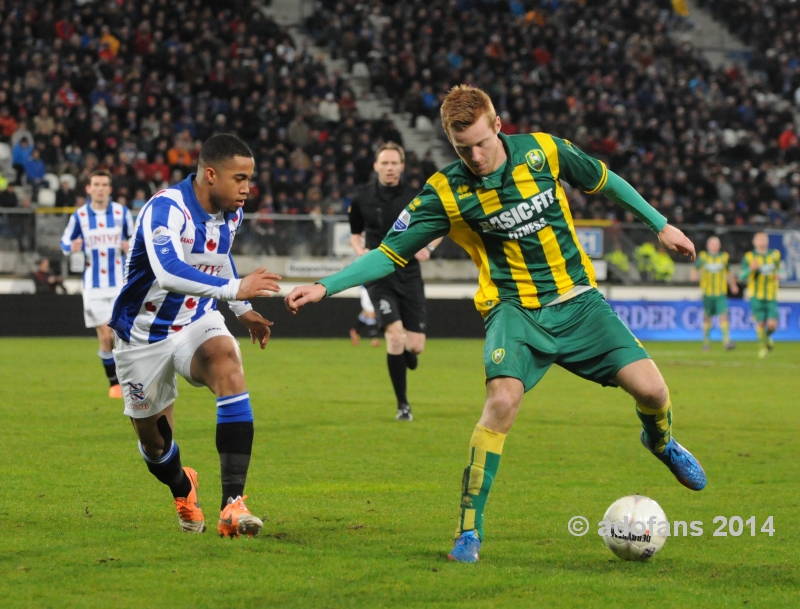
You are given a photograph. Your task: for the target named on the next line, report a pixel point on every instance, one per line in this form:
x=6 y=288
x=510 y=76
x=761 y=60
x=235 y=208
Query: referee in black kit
x=399 y=298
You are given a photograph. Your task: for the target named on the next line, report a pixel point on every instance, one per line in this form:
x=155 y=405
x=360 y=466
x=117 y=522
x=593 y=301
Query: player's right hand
x=304 y=294
x=257 y=284
x=77 y=245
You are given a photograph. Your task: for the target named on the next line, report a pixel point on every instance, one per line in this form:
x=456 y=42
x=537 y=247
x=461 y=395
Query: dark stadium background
x=698 y=114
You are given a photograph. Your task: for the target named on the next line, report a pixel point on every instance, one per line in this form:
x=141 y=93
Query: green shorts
x=583 y=335
x=763 y=310
x=715 y=305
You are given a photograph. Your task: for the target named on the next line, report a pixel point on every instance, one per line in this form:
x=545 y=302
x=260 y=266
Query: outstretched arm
x=625 y=195
x=592 y=175
x=369 y=267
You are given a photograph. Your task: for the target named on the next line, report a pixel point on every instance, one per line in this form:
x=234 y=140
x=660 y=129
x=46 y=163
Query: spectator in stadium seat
x=45 y=281
x=7 y=124
x=65 y=197
x=20 y=155
x=35 y=170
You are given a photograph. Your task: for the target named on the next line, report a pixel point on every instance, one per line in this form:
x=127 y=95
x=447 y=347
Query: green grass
x=360 y=509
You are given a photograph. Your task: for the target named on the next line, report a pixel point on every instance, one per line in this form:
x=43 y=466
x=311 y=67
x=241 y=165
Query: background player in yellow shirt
x=714 y=281
x=760 y=268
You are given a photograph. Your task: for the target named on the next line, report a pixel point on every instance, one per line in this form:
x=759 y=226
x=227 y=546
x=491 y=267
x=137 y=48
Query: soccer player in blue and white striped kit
x=101 y=229
x=166 y=322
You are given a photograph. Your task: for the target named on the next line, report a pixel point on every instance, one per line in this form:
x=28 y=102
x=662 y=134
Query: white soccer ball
x=635 y=527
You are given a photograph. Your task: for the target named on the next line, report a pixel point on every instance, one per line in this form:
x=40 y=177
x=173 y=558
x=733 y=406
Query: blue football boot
x=466 y=548
x=681 y=463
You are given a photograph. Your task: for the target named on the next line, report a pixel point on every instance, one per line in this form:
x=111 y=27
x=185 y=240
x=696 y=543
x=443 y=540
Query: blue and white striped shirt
x=102 y=233
x=178 y=266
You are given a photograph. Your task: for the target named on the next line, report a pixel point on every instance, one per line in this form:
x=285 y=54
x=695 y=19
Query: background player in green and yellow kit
x=760 y=268
x=714 y=281
x=504 y=203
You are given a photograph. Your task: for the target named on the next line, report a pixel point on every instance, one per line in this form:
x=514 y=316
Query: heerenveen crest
x=535 y=160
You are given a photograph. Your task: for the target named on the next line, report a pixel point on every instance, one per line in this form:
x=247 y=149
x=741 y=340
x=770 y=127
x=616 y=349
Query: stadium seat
x=424 y=124
x=46 y=197
x=5 y=152
x=360 y=70
x=69 y=179
x=52 y=181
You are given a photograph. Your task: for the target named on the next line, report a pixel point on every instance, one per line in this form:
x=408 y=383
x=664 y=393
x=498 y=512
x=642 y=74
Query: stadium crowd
x=702 y=145
x=773 y=31
x=134 y=88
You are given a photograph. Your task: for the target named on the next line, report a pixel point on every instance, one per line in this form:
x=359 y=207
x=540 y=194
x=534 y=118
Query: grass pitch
x=360 y=509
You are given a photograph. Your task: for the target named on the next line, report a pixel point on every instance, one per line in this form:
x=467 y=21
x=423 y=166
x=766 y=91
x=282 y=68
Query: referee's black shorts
x=400 y=296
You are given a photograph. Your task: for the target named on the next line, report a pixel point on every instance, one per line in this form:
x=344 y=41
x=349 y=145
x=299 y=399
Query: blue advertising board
x=683 y=320
x=591 y=239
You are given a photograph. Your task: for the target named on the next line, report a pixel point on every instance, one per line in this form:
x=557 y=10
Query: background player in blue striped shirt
x=101 y=229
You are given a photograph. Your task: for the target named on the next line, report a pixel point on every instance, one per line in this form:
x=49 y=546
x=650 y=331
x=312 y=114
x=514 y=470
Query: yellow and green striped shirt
x=516 y=226
x=713 y=273
x=762 y=282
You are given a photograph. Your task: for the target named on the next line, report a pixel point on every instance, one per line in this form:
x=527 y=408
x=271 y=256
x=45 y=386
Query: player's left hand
x=423 y=254
x=673 y=239
x=258 y=326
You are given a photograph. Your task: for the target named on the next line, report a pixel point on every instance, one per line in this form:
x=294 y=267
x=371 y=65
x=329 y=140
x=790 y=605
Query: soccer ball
x=634 y=527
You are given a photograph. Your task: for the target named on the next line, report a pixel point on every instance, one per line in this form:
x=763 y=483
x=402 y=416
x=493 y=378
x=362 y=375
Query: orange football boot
x=115 y=391
x=189 y=513
x=236 y=519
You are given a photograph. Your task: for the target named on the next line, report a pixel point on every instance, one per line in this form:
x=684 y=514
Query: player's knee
x=654 y=394
x=395 y=337
x=502 y=405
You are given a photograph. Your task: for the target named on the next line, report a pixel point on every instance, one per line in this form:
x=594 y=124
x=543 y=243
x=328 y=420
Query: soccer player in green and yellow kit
x=714 y=281
x=504 y=203
x=760 y=268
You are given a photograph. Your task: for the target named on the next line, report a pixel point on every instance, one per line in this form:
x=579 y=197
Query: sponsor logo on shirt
x=402 y=222
x=520 y=217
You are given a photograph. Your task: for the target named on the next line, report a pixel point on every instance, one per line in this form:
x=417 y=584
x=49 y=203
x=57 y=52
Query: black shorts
x=400 y=296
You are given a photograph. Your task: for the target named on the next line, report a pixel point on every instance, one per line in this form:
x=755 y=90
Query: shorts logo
x=136 y=391
x=498 y=355
x=402 y=222
x=535 y=160
x=385 y=307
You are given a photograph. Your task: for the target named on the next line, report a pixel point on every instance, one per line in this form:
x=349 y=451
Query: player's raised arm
x=422 y=222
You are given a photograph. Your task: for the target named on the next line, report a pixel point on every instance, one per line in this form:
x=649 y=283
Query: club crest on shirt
x=498 y=355
x=535 y=160
x=402 y=222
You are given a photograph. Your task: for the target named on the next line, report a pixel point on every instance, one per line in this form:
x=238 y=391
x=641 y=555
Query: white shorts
x=97 y=309
x=147 y=373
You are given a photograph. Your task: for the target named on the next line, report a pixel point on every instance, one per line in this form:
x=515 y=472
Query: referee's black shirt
x=374 y=210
